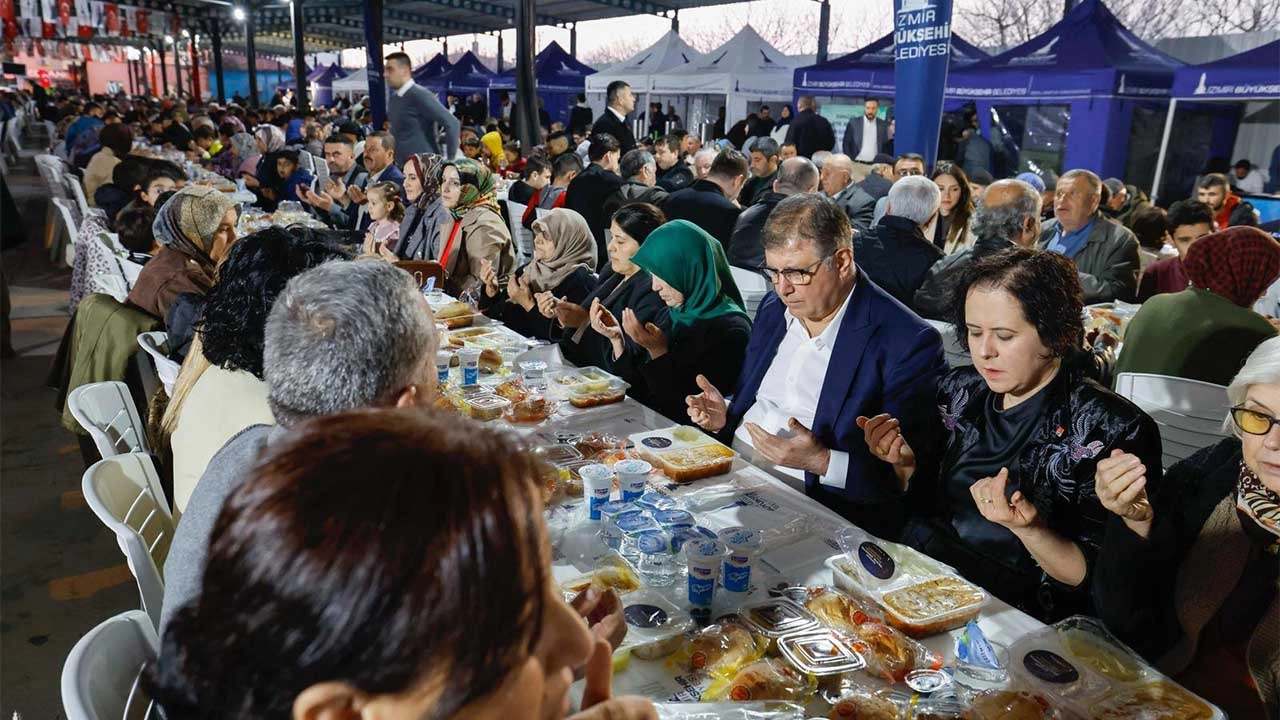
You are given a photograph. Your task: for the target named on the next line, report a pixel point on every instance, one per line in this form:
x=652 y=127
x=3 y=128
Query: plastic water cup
x=534 y=373
x=658 y=566
x=703 y=558
x=632 y=477
x=443 y=359
x=610 y=512
x=743 y=546
x=469 y=358
x=597 y=484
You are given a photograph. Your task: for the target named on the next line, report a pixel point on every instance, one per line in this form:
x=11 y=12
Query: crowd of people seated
x=302 y=366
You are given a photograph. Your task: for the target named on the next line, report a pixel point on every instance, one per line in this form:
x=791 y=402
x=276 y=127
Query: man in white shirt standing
x=826 y=347
x=866 y=136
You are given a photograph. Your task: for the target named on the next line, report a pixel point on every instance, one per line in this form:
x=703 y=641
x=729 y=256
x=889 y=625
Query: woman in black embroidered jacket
x=1002 y=489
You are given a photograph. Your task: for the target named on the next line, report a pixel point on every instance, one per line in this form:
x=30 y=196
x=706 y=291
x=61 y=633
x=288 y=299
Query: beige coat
x=484 y=235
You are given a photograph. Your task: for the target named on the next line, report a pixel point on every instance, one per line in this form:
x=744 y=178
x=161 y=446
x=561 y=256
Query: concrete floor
x=61 y=572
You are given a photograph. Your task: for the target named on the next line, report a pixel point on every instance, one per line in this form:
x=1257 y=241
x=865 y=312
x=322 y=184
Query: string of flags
x=40 y=27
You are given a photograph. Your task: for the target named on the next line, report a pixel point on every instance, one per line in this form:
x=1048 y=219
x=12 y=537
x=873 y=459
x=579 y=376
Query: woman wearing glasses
x=1003 y=483
x=1191 y=583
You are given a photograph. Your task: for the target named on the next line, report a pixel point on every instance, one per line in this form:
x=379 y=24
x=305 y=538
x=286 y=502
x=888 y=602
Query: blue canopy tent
x=560 y=78
x=317 y=72
x=1221 y=91
x=466 y=77
x=433 y=68
x=869 y=72
x=321 y=82
x=1087 y=93
x=289 y=83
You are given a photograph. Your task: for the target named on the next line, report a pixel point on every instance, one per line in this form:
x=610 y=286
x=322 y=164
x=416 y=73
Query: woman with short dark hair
x=116 y=141
x=426 y=594
x=1003 y=485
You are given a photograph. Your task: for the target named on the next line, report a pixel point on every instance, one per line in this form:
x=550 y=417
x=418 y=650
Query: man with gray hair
x=764 y=167
x=1104 y=251
x=639 y=171
x=895 y=253
x=837 y=182
x=1007 y=215
x=746 y=245
x=702 y=160
x=343 y=335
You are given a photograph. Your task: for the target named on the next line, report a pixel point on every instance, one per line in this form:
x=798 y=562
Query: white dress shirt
x=790 y=389
x=867 y=153
x=400 y=91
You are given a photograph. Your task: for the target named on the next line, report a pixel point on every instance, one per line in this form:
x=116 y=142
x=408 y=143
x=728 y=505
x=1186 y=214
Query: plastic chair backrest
x=106 y=411
x=124 y=492
x=423 y=269
x=75 y=191
x=541 y=212
x=166 y=369
x=307 y=161
x=951 y=345
x=100 y=679
x=753 y=287
x=522 y=236
x=1190 y=413
x=66 y=213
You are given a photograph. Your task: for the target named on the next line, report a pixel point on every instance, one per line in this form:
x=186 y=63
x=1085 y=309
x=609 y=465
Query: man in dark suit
x=746 y=248
x=587 y=192
x=895 y=253
x=866 y=136
x=827 y=347
x=379 y=161
x=1104 y=251
x=838 y=184
x=810 y=132
x=707 y=203
x=613 y=121
x=416 y=116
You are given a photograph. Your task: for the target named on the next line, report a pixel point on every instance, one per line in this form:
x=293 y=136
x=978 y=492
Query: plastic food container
x=744 y=545
x=776 y=617
x=654 y=501
x=530 y=409
x=684 y=454
x=672 y=519
x=610 y=513
x=655 y=626
x=558 y=454
x=612 y=571
x=590 y=386
x=1081 y=667
x=820 y=652
x=933 y=606
x=481 y=406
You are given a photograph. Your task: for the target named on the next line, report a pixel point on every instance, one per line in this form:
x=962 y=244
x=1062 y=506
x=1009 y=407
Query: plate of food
x=589 y=387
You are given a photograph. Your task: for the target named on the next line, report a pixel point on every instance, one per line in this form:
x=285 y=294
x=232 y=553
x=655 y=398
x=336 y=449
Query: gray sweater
x=416 y=122
x=227 y=471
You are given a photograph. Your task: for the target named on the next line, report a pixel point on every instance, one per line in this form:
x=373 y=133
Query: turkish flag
x=112 y=13
x=140 y=22
x=43 y=78
x=9 y=17
x=64 y=12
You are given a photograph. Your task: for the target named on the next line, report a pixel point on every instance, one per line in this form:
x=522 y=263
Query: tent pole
x=573 y=40
x=299 y=58
x=824 y=29
x=526 y=120
x=373 y=60
x=251 y=55
x=1164 y=149
x=500 y=51
x=216 y=37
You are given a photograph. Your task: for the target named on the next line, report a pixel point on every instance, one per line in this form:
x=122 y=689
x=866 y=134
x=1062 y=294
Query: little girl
x=386 y=210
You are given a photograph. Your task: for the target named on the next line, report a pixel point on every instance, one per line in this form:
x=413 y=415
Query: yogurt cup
x=443 y=359
x=632 y=477
x=610 y=513
x=743 y=546
x=653 y=500
x=703 y=558
x=469 y=359
x=597 y=484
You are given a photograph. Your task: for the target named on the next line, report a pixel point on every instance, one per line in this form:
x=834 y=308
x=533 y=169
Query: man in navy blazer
x=827 y=346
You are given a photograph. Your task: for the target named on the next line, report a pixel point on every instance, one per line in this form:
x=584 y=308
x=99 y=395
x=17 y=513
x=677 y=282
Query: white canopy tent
x=671 y=52
x=357 y=83
x=743 y=73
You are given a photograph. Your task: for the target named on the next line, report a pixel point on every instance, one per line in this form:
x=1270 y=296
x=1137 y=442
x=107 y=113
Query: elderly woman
x=1190 y=580
x=1005 y=480
x=220 y=390
x=709 y=328
x=240 y=158
x=564 y=252
x=265 y=181
x=1206 y=331
x=195 y=228
x=320 y=602
x=478 y=231
x=626 y=287
x=425 y=214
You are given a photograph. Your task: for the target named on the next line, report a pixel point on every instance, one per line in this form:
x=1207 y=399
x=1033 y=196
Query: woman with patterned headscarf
x=195 y=228
x=265 y=181
x=425 y=213
x=478 y=233
x=240 y=158
x=562 y=270
x=1206 y=331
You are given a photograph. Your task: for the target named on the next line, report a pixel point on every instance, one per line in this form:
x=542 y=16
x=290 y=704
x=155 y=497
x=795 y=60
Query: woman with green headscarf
x=709 y=328
x=478 y=233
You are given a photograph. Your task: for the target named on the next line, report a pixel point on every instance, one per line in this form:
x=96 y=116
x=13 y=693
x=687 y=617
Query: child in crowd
x=564 y=168
x=287 y=167
x=386 y=210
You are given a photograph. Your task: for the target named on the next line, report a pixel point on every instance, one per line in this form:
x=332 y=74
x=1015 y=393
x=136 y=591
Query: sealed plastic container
x=558 y=454
x=671 y=520
x=655 y=626
x=933 y=606
x=597 y=484
x=486 y=407
x=820 y=652
x=658 y=566
x=703 y=559
x=684 y=454
x=654 y=501
x=632 y=526
x=610 y=512
x=743 y=544
x=590 y=386
x=469 y=359
x=611 y=571
x=633 y=478
x=776 y=617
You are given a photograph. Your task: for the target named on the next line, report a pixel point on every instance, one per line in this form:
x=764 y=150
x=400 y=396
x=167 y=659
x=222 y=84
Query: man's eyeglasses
x=795 y=276
x=1252 y=421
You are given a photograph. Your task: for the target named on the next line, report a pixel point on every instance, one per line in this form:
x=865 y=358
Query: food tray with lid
x=588 y=387
x=655 y=625
x=1080 y=666
x=684 y=453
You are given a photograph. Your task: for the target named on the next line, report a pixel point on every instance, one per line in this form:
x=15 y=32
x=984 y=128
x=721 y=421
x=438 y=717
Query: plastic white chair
x=106 y=411
x=541 y=212
x=167 y=370
x=1190 y=413
x=75 y=190
x=124 y=492
x=101 y=677
x=70 y=230
x=951 y=344
x=522 y=236
x=753 y=287
x=307 y=161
